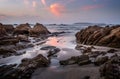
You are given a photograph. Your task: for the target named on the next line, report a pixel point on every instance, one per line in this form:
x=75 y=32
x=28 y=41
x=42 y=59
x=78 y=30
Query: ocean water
x=66 y=42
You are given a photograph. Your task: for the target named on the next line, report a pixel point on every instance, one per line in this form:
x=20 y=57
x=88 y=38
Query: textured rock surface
x=111 y=69
x=102 y=36
x=2 y=31
x=22 y=29
x=25 y=69
x=38 y=29
x=9 y=28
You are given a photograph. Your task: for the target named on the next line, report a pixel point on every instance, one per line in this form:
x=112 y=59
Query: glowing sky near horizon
x=59 y=11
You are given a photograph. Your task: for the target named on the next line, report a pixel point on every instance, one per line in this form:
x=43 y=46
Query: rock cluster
x=111 y=69
x=18 y=38
x=25 y=29
x=101 y=36
x=25 y=69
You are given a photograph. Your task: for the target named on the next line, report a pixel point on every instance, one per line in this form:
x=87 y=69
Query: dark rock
x=8 y=40
x=2 y=31
x=9 y=28
x=25 y=69
x=86 y=77
x=23 y=38
x=80 y=60
x=52 y=52
x=100 y=60
x=47 y=47
x=22 y=29
x=112 y=51
x=7 y=52
x=111 y=69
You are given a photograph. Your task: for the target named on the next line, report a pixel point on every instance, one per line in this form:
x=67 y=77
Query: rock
x=111 y=69
x=22 y=29
x=100 y=60
x=25 y=69
x=9 y=28
x=47 y=47
x=2 y=31
x=52 y=52
x=84 y=62
x=112 y=51
x=38 y=61
x=80 y=60
x=101 y=36
x=7 y=52
x=86 y=77
x=8 y=40
x=23 y=38
x=39 y=29
x=87 y=50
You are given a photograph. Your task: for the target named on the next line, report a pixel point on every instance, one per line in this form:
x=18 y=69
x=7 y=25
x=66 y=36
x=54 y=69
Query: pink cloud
x=43 y=2
x=57 y=9
x=91 y=7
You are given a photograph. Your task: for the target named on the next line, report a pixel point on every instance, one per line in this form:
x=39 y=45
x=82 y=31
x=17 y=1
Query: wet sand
x=67 y=72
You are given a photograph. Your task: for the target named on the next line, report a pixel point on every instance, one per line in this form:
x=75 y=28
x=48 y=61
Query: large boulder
x=39 y=29
x=36 y=62
x=102 y=36
x=22 y=29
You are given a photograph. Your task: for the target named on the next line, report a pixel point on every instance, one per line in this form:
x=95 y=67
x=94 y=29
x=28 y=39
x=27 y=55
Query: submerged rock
x=102 y=36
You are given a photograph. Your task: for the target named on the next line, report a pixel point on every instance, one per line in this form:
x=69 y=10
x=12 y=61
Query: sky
x=60 y=11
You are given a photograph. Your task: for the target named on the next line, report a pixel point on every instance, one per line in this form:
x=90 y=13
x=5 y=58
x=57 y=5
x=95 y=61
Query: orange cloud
x=57 y=9
x=91 y=7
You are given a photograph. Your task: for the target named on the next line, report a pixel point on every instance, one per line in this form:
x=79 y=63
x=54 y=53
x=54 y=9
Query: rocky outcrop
x=25 y=69
x=22 y=29
x=101 y=36
x=111 y=69
x=39 y=29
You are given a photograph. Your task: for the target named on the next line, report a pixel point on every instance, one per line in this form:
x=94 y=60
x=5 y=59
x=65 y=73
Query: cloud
x=34 y=4
x=91 y=7
x=43 y=2
x=57 y=9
